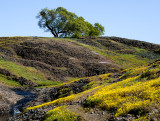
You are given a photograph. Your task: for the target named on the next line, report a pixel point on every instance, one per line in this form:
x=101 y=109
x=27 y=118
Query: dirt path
x=92 y=115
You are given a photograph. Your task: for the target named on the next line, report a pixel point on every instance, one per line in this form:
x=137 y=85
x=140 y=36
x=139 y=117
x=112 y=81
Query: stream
x=17 y=108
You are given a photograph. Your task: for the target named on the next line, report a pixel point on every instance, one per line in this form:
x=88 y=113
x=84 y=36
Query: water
x=28 y=96
x=17 y=108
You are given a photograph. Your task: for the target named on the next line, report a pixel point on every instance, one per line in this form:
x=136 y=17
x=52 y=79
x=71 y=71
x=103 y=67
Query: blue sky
x=133 y=19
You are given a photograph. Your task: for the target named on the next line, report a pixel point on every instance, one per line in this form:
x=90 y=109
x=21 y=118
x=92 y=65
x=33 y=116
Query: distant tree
x=62 y=23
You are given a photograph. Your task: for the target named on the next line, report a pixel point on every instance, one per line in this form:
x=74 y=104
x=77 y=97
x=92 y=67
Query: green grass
x=9 y=82
x=49 y=84
x=26 y=72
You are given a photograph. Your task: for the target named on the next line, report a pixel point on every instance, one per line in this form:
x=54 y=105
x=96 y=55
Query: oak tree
x=62 y=23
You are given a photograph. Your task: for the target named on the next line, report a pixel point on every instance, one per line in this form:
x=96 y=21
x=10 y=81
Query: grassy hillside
x=49 y=61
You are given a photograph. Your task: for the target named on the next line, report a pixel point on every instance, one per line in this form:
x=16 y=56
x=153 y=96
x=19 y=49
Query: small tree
x=62 y=23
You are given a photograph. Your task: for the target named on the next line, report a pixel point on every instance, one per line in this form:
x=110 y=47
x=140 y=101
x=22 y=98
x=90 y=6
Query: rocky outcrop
x=50 y=94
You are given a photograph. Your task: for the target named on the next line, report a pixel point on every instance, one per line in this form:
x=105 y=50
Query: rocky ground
x=76 y=106
x=7 y=99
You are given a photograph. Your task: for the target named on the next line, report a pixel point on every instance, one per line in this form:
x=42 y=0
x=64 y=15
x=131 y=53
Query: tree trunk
x=56 y=35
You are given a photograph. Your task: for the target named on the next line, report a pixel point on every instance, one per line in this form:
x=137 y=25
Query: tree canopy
x=62 y=23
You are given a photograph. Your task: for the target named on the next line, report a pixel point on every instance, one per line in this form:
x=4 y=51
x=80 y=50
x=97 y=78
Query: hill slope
x=48 y=61
x=135 y=97
x=77 y=68
x=54 y=60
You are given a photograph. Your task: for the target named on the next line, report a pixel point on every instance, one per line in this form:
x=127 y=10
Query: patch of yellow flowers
x=60 y=114
x=128 y=95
